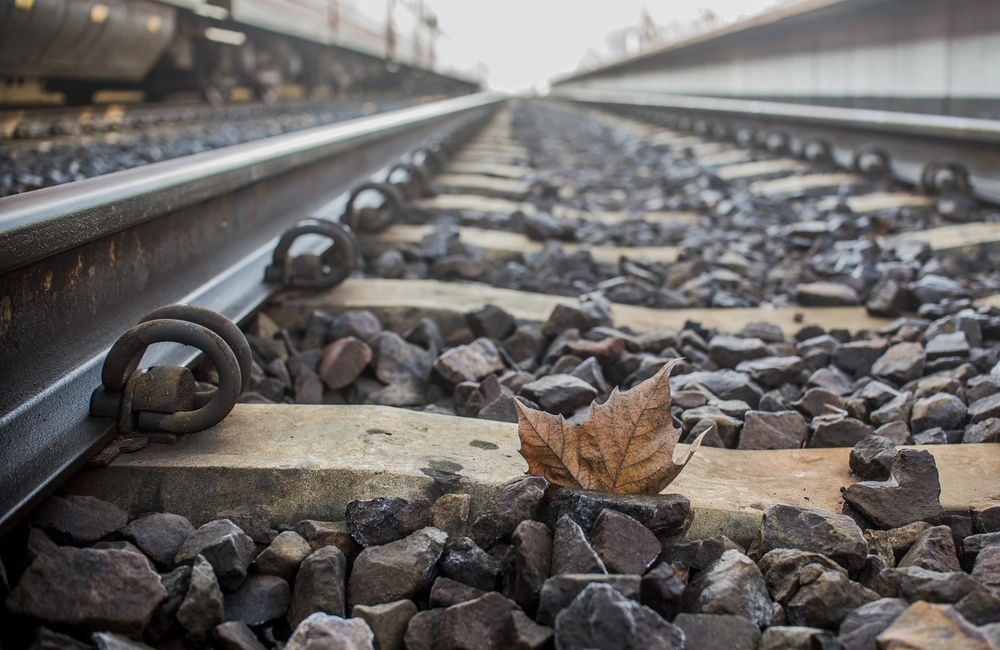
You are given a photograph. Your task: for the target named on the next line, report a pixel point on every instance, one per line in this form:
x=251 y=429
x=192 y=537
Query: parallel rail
x=83 y=262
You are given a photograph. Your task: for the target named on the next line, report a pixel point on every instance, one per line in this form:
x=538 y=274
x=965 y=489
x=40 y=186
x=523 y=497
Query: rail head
x=37 y=224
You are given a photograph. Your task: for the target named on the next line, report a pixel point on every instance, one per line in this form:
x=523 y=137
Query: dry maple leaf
x=625 y=445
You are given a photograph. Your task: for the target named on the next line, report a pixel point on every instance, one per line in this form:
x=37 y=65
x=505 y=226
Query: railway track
x=483 y=202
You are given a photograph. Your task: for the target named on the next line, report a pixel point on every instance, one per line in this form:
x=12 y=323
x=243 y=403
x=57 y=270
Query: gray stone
x=559 y=591
x=837 y=430
x=513 y=502
x=254 y=520
x=987 y=569
x=729 y=351
x=226 y=547
x=465 y=562
x=985 y=408
x=571 y=552
x=590 y=372
x=235 y=635
x=446 y=592
x=934 y=550
x=360 y=324
x=58 y=589
x=987 y=430
x=887 y=299
x=727 y=427
x=973 y=544
x=857 y=357
x=531 y=551
x=895 y=410
x=826 y=294
x=159 y=536
x=942 y=410
x=831 y=379
x=732 y=585
x=718 y=631
x=781 y=569
x=980 y=608
x=897 y=432
x=814 y=399
x=872 y=458
x=490 y=321
x=319 y=585
x=815 y=531
x=522 y=633
x=600 y=617
x=901 y=363
x=474 y=624
x=378 y=521
x=423 y=630
x=665 y=515
x=261 y=598
x=202 y=608
x=954 y=344
x=283 y=556
x=388 y=622
x=623 y=544
x=985 y=513
x=825 y=597
x=663 y=591
x=164 y=620
x=321 y=630
x=470 y=362
x=111 y=641
x=397 y=570
x=724 y=384
x=560 y=394
x=911 y=494
x=913 y=583
x=860 y=627
x=778 y=430
x=79 y=520
x=773 y=371
x=789 y=637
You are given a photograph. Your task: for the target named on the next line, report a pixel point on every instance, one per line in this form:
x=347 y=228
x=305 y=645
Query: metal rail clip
x=372 y=220
x=323 y=271
x=163 y=398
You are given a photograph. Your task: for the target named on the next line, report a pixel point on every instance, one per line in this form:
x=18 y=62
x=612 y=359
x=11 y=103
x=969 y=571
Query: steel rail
x=911 y=141
x=83 y=262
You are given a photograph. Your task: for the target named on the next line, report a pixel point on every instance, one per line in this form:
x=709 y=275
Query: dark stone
x=571 y=552
x=531 y=552
x=815 y=531
x=793 y=637
x=913 y=583
x=446 y=592
x=781 y=569
x=934 y=550
x=159 y=536
x=954 y=344
x=79 y=520
x=522 y=633
x=711 y=549
x=600 y=617
x=465 y=562
x=46 y=639
x=980 y=608
x=728 y=351
x=606 y=351
x=871 y=459
x=985 y=513
x=773 y=372
x=901 y=363
x=778 y=430
x=58 y=589
x=254 y=520
x=826 y=294
x=623 y=544
x=202 y=608
x=321 y=630
x=665 y=515
x=388 y=622
x=476 y=624
x=727 y=428
x=857 y=357
x=261 y=598
x=319 y=585
x=112 y=641
x=423 y=630
x=359 y=324
x=382 y=520
x=226 y=547
x=987 y=569
x=985 y=408
x=732 y=585
x=343 y=361
x=832 y=379
x=397 y=362
x=164 y=620
x=814 y=399
x=860 y=627
x=887 y=299
x=470 y=362
x=284 y=555
x=724 y=384
x=942 y=410
x=502 y=409
x=397 y=570
x=897 y=432
x=838 y=430
x=825 y=597
x=718 y=631
x=235 y=635
x=559 y=591
x=328 y=533
x=912 y=494
x=560 y=394
x=513 y=502
x=490 y=321
x=973 y=544
x=525 y=343
x=895 y=410
x=663 y=591
x=587 y=315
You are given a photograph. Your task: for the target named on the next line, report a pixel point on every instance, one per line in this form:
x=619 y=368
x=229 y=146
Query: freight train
x=215 y=46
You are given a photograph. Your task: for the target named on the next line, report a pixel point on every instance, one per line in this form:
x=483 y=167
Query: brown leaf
x=624 y=445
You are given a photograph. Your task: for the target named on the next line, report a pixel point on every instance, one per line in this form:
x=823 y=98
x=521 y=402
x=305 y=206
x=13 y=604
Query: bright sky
x=524 y=43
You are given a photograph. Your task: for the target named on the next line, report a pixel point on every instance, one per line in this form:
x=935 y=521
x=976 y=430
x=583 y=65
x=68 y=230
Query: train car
x=168 y=46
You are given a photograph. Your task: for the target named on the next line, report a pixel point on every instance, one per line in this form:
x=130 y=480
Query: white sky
x=525 y=43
